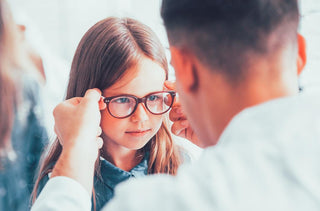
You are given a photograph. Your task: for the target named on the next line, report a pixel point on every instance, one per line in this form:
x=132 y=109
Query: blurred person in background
x=53 y=69
x=22 y=134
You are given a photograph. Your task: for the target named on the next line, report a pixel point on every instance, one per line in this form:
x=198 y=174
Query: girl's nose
x=141 y=114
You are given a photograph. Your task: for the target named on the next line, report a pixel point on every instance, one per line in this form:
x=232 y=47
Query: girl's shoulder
x=188 y=151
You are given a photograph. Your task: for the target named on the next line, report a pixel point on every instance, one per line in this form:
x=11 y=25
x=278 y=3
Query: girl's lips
x=138 y=132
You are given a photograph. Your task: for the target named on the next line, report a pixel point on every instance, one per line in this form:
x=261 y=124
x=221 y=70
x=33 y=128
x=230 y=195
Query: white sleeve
x=154 y=192
x=189 y=151
x=63 y=193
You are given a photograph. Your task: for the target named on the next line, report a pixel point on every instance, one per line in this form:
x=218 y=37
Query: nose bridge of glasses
x=140 y=112
x=141 y=100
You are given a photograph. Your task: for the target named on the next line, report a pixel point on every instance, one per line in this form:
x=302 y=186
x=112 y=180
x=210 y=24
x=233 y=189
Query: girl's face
x=135 y=131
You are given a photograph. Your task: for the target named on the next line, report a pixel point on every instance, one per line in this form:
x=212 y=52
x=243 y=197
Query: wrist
x=74 y=163
x=80 y=151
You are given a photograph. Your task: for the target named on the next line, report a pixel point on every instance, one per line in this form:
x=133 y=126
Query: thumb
x=102 y=104
x=170 y=85
x=91 y=96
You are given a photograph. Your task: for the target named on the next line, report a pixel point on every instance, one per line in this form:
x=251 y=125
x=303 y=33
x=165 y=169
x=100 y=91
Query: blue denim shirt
x=111 y=176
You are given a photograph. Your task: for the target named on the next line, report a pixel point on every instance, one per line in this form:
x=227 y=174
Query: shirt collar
x=112 y=175
x=266 y=118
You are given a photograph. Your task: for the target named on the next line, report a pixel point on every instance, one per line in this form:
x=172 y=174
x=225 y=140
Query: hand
x=180 y=126
x=77 y=127
x=77 y=120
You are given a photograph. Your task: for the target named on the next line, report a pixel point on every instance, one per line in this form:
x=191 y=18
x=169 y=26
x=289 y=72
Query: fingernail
x=102 y=98
x=179 y=110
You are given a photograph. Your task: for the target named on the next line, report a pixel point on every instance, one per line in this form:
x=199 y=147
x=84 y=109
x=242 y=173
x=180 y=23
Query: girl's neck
x=121 y=157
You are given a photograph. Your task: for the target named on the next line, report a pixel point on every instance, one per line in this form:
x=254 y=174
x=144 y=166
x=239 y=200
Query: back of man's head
x=225 y=34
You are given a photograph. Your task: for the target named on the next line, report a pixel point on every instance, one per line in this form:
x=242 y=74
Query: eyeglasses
x=123 y=106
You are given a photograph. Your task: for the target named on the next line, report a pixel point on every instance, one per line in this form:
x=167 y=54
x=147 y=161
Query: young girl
x=124 y=59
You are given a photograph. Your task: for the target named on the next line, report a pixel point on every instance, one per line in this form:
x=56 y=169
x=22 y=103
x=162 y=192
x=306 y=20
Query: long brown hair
x=8 y=78
x=106 y=51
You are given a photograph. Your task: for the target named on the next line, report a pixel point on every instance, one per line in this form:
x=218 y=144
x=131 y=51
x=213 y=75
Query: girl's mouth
x=138 y=132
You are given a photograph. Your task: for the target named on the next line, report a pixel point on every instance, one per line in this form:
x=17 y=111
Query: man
x=236 y=67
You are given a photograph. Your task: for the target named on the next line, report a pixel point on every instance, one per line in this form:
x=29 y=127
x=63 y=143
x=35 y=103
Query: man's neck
x=254 y=91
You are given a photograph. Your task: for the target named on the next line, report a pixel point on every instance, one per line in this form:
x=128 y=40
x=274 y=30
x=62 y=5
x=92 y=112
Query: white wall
x=310 y=29
x=63 y=22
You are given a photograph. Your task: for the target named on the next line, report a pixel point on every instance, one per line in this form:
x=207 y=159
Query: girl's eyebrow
x=115 y=94
x=126 y=94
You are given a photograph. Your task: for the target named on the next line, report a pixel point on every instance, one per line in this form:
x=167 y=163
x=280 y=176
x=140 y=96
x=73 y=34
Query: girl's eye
x=121 y=100
x=153 y=98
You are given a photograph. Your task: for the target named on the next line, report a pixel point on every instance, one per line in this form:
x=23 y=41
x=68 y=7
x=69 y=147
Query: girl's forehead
x=145 y=77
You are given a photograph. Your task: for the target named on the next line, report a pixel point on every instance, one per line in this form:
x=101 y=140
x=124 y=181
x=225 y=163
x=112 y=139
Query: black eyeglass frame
x=138 y=100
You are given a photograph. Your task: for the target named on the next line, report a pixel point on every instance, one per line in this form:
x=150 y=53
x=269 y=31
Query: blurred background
x=55 y=27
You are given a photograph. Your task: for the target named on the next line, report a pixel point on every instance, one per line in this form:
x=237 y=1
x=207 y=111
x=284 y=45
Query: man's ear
x=185 y=69
x=302 y=55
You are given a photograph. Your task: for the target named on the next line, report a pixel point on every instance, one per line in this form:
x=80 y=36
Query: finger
x=61 y=107
x=179 y=126
x=99 y=131
x=92 y=95
x=56 y=132
x=170 y=85
x=99 y=142
x=102 y=104
x=176 y=114
x=73 y=101
x=189 y=134
x=176 y=101
x=91 y=100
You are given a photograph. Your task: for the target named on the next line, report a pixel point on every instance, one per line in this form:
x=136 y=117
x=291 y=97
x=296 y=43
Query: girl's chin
x=136 y=143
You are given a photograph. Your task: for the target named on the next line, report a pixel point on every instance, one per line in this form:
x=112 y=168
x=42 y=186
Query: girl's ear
x=302 y=55
x=185 y=69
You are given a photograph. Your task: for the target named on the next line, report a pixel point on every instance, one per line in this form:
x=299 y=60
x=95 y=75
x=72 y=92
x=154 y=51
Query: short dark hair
x=223 y=34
